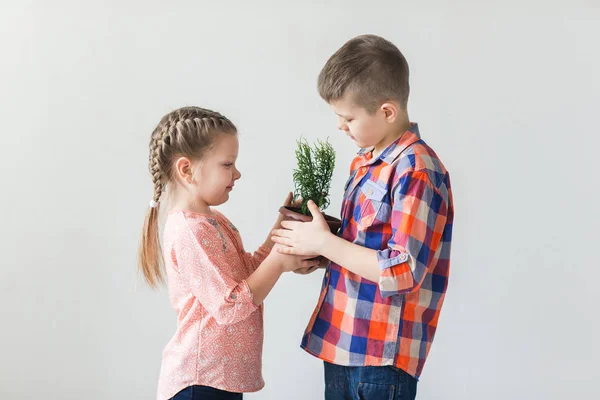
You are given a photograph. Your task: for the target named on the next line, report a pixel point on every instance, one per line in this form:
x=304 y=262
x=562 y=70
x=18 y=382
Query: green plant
x=312 y=177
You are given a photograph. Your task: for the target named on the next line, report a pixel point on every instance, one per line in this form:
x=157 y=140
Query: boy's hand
x=303 y=238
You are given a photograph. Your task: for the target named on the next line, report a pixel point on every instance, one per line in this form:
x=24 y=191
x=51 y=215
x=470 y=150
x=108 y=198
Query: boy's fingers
x=281 y=233
x=285 y=250
x=290 y=224
x=281 y=240
x=314 y=210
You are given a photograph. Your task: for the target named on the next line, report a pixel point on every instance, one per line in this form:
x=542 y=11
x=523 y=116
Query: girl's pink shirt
x=219 y=336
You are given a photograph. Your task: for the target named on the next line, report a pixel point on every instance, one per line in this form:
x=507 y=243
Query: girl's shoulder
x=211 y=232
x=182 y=222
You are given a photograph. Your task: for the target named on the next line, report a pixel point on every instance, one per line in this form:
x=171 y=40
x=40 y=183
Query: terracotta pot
x=294 y=214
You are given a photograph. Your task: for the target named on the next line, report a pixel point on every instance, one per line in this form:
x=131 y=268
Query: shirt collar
x=393 y=150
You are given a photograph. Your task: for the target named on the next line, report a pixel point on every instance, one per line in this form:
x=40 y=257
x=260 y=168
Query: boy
x=384 y=287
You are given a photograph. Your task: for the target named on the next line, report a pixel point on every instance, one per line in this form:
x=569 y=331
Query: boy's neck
x=390 y=138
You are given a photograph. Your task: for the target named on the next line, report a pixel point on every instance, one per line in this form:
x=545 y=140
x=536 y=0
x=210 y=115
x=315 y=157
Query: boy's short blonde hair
x=369 y=68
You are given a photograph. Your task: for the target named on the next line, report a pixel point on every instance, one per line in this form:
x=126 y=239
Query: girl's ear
x=184 y=170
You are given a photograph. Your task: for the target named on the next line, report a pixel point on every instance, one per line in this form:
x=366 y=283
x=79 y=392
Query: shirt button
x=364 y=169
x=233 y=296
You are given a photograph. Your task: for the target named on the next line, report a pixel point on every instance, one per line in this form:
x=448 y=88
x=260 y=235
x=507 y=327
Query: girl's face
x=216 y=173
x=209 y=181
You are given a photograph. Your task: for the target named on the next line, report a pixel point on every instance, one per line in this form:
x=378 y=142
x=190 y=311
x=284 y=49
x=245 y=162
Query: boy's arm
x=357 y=259
x=418 y=221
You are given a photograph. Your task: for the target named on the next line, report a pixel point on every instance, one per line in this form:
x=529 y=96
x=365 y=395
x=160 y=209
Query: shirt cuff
x=396 y=275
x=389 y=258
x=241 y=294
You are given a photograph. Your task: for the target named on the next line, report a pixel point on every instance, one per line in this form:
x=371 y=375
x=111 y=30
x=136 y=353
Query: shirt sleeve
x=206 y=267
x=418 y=219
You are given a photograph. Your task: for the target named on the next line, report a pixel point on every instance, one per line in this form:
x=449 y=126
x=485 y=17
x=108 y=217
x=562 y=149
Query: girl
x=215 y=287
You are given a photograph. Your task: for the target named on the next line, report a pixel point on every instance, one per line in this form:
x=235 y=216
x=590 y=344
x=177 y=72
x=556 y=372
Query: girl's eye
x=228 y=165
x=349 y=120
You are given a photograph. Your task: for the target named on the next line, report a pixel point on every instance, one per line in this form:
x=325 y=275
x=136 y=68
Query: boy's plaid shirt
x=399 y=204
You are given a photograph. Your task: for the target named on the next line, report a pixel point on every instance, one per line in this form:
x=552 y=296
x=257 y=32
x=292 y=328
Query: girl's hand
x=290 y=263
x=289 y=202
x=305 y=271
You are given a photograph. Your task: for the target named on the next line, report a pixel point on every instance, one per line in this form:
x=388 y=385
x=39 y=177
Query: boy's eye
x=228 y=165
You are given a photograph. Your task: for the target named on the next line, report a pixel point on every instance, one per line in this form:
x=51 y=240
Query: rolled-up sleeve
x=418 y=219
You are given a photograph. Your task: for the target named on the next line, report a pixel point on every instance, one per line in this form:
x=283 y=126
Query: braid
x=204 y=124
x=185 y=127
x=188 y=132
x=159 y=140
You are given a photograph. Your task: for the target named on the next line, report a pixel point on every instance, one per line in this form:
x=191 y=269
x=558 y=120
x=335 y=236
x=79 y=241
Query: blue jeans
x=368 y=383
x=205 y=393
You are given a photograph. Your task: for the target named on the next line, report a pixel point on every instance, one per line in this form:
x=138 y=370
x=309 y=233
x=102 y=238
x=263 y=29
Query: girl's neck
x=197 y=206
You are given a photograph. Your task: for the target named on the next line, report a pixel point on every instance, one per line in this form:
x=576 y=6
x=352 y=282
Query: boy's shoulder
x=404 y=158
x=420 y=157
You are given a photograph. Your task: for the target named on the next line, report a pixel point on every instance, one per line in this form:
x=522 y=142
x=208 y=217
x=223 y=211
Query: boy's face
x=364 y=129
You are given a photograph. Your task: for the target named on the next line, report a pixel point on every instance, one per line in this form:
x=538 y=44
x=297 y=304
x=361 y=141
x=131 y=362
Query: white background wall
x=506 y=91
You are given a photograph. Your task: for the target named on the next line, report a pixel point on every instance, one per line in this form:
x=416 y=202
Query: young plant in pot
x=312 y=180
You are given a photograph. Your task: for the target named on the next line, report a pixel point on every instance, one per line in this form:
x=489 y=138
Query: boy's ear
x=183 y=168
x=390 y=111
